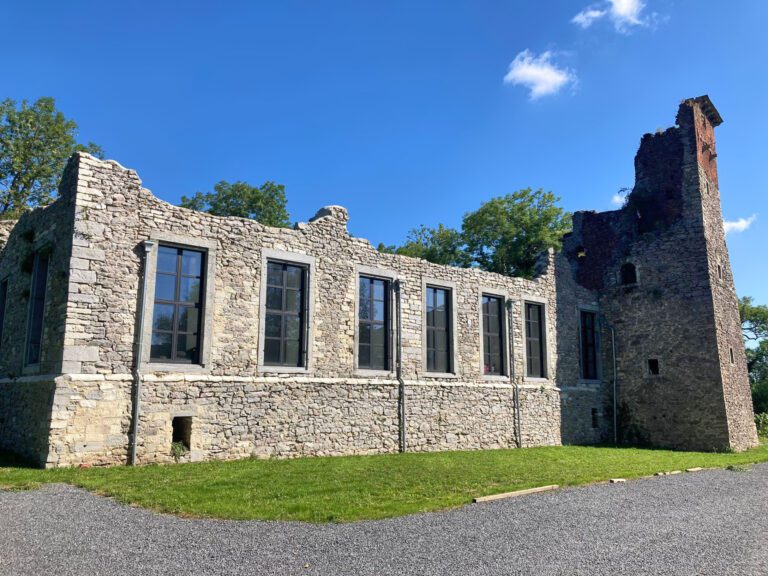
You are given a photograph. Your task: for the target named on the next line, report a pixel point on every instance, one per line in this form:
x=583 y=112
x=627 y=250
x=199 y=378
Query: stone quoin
x=129 y=325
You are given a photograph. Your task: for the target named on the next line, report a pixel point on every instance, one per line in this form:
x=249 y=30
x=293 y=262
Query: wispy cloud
x=625 y=14
x=617 y=199
x=739 y=225
x=539 y=74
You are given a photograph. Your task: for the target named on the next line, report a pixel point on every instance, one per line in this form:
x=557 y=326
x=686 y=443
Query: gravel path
x=711 y=522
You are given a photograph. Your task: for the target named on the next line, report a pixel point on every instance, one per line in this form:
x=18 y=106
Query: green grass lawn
x=351 y=488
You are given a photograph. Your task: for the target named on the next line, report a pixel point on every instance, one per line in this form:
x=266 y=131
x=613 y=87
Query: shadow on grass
x=11 y=460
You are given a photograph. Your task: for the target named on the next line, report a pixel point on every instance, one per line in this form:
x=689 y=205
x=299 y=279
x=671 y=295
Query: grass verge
x=344 y=489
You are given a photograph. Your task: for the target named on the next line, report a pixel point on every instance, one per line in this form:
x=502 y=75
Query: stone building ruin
x=128 y=324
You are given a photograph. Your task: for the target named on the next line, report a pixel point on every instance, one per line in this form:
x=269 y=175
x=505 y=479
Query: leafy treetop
x=35 y=142
x=265 y=204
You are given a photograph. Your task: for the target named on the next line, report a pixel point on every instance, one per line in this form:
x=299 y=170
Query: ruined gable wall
x=237 y=408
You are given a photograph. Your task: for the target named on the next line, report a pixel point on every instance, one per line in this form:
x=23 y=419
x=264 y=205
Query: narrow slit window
x=493 y=335
x=588 y=345
x=285 y=315
x=535 y=340
x=179 y=302
x=37 y=309
x=733 y=359
x=595 y=422
x=439 y=330
x=653 y=367
x=373 y=324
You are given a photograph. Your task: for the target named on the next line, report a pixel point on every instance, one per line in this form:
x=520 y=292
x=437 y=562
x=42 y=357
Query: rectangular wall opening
x=182 y=431
x=653 y=366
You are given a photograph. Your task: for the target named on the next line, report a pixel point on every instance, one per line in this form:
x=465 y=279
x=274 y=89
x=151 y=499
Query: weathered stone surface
x=79 y=409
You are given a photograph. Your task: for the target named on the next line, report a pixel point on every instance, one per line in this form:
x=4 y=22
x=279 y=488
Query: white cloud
x=538 y=73
x=739 y=225
x=585 y=18
x=623 y=13
x=617 y=199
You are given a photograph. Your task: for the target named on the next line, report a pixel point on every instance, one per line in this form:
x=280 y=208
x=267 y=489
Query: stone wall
x=25 y=417
x=679 y=312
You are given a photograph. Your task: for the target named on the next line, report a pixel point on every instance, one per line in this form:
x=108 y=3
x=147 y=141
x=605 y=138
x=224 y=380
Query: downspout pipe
x=399 y=369
x=149 y=245
x=512 y=378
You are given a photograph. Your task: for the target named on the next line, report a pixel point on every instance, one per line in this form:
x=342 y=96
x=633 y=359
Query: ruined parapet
x=661 y=267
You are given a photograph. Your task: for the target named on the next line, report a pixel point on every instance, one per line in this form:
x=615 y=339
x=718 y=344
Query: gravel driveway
x=711 y=522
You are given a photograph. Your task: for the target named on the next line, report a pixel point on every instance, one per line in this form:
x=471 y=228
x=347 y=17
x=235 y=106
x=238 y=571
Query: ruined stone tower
x=660 y=266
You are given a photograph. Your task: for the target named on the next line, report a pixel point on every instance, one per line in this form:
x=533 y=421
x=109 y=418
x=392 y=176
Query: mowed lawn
x=343 y=489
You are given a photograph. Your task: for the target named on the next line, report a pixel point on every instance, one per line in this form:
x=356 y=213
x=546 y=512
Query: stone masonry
x=77 y=405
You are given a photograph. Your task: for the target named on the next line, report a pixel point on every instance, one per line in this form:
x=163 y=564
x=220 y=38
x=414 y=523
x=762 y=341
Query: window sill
x=283 y=370
x=531 y=380
x=365 y=373
x=149 y=367
x=585 y=382
x=440 y=375
x=495 y=378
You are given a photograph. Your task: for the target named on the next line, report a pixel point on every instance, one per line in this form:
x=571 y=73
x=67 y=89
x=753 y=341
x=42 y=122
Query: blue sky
x=406 y=113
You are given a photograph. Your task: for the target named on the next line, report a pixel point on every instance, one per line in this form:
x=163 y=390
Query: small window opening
x=733 y=361
x=719 y=271
x=182 y=431
x=594 y=418
x=581 y=252
x=653 y=366
x=628 y=274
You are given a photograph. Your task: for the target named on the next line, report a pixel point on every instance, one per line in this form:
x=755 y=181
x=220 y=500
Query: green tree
x=507 y=234
x=754 y=326
x=265 y=204
x=440 y=245
x=35 y=142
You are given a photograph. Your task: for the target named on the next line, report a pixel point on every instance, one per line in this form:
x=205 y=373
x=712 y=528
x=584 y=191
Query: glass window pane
x=365 y=288
x=441 y=361
x=274 y=274
x=161 y=346
x=378 y=335
x=186 y=347
x=189 y=290
x=441 y=340
x=271 y=351
x=292 y=327
x=188 y=319
x=493 y=306
x=378 y=289
x=440 y=297
x=364 y=357
x=431 y=361
x=162 y=318
x=274 y=298
x=430 y=317
x=167 y=258
x=378 y=311
x=364 y=313
x=273 y=325
x=365 y=333
x=441 y=317
x=292 y=353
x=430 y=338
x=293 y=276
x=165 y=287
x=292 y=300
x=378 y=359
x=192 y=263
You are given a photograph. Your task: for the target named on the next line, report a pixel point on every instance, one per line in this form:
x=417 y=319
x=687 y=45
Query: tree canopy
x=754 y=325
x=505 y=235
x=35 y=142
x=265 y=204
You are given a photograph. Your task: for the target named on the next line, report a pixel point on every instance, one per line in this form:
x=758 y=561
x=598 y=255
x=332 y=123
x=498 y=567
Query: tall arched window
x=628 y=274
